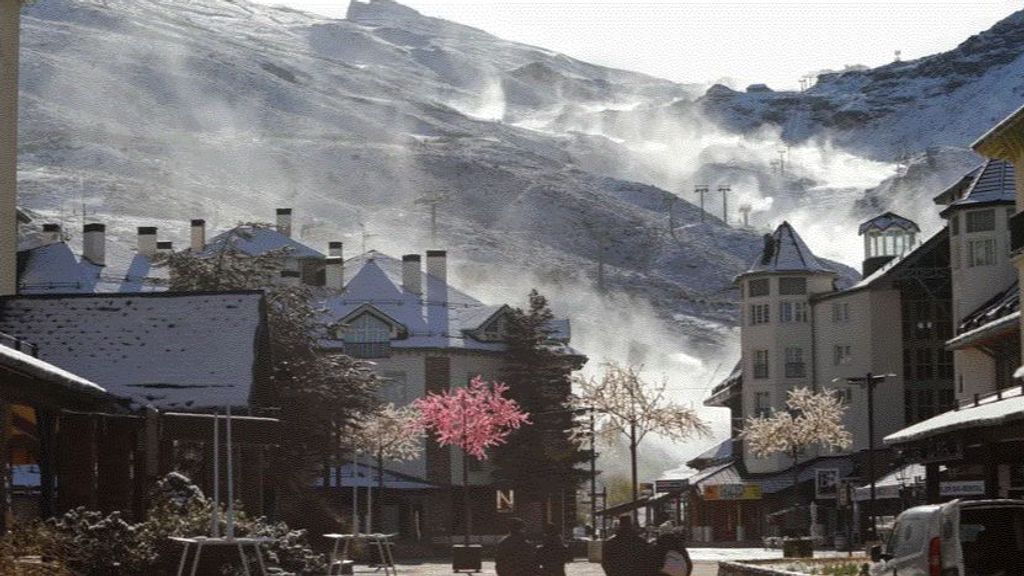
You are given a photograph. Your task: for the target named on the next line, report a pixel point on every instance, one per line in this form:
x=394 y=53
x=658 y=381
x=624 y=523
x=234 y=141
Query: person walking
x=514 y=556
x=669 y=557
x=625 y=553
x=552 y=554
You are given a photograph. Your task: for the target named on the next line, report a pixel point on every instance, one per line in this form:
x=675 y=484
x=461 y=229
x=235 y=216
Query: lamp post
x=870 y=380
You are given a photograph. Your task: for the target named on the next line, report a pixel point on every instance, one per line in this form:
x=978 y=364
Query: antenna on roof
x=432 y=199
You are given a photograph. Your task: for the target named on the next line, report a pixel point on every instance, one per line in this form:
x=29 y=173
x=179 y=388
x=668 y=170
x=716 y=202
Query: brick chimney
x=335 y=248
x=147 y=240
x=164 y=247
x=94 y=243
x=51 y=233
x=334 y=273
x=284 y=221
x=412 y=275
x=198 y=237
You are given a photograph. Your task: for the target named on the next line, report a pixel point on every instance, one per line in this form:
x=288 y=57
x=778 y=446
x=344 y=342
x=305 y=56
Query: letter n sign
x=506 y=501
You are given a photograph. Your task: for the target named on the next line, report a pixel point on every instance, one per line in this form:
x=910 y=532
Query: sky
x=738 y=42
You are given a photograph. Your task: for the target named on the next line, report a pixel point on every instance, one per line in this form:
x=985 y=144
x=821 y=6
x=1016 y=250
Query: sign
x=732 y=492
x=506 y=501
x=826 y=483
x=956 y=489
x=671 y=485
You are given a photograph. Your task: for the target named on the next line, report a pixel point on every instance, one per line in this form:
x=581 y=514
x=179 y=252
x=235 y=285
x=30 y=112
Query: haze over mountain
x=152 y=112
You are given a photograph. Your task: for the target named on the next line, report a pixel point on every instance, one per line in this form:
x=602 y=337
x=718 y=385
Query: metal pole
x=355 y=493
x=632 y=462
x=369 y=497
x=871 y=452
x=231 y=482
x=593 y=475
x=215 y=517
x=465 y=478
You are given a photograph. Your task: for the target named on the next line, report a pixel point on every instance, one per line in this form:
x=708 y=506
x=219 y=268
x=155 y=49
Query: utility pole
x=724 y=189
x=701 y=190
x=869 y=381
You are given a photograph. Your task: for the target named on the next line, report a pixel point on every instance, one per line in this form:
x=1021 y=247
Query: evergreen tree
x=540 y=461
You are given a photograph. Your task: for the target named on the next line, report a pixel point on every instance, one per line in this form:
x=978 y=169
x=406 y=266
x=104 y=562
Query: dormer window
x=496 y=330
x=367 y=336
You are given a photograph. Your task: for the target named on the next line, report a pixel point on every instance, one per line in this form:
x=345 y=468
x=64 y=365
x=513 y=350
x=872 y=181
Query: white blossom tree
x=812 y=418
x=390 y=435
x=624 y=404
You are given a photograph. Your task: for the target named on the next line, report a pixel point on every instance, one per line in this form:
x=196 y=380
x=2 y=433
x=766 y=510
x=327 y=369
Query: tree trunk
x=633 y=471
x=10 y=17
x=465 y=497
x=380 y=488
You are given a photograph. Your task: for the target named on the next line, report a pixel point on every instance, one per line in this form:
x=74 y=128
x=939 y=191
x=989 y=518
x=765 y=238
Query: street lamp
x=870 y=380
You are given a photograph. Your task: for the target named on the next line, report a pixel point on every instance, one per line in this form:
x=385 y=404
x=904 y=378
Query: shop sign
x=506 y=501
x=952 y=489
x=671 y=485
x=732 y=492
x=826 y=483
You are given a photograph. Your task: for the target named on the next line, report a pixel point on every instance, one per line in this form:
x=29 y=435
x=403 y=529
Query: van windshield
x=992 y=540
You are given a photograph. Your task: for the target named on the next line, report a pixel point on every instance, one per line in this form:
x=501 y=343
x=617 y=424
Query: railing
x=1016 y=232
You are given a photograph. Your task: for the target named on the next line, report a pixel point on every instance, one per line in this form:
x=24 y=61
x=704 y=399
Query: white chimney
x=290 y=278
x=147 y=240
x=335 y=248
x=198 y=242
x=51 y=233
x=412 y=276
x=284 y=221
x=164 y=247
x=94 y=247
x=334 y=273
x=437 y=265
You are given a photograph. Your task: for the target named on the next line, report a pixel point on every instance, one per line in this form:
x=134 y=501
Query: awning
x=993 y=410
x=363 y=476
x=888 y=487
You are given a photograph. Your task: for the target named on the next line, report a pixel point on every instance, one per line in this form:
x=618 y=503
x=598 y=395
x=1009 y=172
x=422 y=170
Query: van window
x=992 y=540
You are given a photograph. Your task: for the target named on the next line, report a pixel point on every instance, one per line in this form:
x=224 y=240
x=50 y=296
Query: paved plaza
x=578 y=568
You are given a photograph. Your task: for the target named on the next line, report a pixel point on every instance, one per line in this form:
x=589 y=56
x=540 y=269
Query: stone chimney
x=290 y=278
x=147 y=240
x=334 y=273
x=335 y=248
x=51 y=233
x=94 y=243
x=412 y=275
x=164 y=247
x=198 y=238
x=284 y=221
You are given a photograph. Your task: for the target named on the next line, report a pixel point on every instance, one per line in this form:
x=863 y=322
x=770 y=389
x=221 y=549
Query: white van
x=958 y=538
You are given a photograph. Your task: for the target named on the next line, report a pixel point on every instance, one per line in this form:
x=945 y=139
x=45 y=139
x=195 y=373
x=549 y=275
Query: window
x=793 y=312
x=954 y=224
x=395 y=389
x=762 y=404
x=367 y=337
x=981 y=220
x=840 y=312
x=841 y=355
x=759 y=287
x=795 y=367
x=760 y=364
x=760 y=314
x=981 y=252
x=792 y=286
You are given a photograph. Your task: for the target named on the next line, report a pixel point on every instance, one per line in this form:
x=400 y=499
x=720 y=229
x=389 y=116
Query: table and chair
x=341 y=562
x=196 y=545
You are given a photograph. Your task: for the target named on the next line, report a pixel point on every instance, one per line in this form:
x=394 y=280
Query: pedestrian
x=552 y=554
x=625 y=553
x=514 y=556
x=669 y=556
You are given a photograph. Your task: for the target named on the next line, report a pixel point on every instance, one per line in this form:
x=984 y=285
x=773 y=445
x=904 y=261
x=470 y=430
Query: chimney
x=51 y=233
x=437 y=265
x=164 y=247
x=147 y=240
x=198 y=243
x=334 y=273
x=437 y=292
x=334 y=248
x=412 y=276
x=94 y=247
x=290 y=278
x=284 y=221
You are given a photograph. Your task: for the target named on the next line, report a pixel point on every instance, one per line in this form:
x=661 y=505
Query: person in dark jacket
x=514 y=556
x=669 y=556
x=552 y=554
x=625 y=553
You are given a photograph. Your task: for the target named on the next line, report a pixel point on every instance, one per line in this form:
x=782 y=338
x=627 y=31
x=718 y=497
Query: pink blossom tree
x=473 y=418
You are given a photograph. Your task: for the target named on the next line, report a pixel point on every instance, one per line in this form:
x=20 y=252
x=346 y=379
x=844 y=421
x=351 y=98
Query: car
x=957 y=538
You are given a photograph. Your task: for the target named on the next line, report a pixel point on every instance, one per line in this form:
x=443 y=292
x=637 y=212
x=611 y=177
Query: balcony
x=1017 y=233
x=796 y=370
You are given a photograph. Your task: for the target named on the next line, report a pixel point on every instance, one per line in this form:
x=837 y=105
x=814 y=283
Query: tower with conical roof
x=777 y=336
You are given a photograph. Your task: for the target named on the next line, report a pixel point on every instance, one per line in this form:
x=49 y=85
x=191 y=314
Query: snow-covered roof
x=364 y=476
x=884 y=222
x=989 y=144
x=993 y=184
x=785 y=251
x=897 y=263
x=715 y=455
x=428 y=320
x=888 y=487
x=955 y=191
x=172 y=350
x=729 y=473
x=1002 y=304
x=258 y=240
x=727 y=388
x=55 y=269
x=44 y=371
x=990 y=411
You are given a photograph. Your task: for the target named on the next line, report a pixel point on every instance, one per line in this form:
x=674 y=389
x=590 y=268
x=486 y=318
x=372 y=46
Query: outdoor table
x=381 y=541
x=200 y=542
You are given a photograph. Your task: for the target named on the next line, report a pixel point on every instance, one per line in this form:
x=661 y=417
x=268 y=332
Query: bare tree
x=812 y=418
x=624 y=404
x=390 y=435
